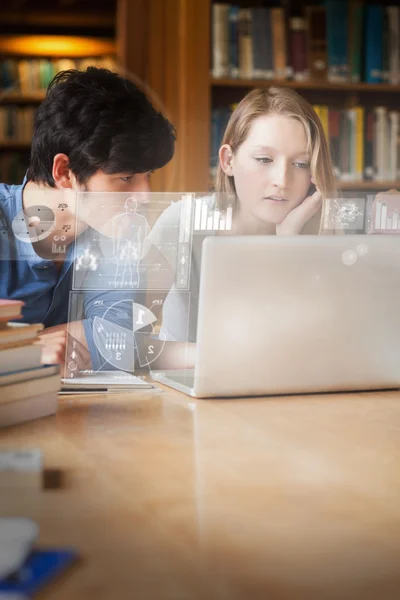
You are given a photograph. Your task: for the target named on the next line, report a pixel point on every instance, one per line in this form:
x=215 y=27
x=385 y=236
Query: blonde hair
x=285 y=102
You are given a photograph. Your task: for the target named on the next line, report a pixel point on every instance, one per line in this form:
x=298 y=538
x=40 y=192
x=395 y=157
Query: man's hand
x=70 y=351
x=53 y=342
x=295 y=220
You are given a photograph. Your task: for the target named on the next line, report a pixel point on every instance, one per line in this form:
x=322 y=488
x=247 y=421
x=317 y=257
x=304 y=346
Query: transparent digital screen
x=136 y=241
x=136 y=271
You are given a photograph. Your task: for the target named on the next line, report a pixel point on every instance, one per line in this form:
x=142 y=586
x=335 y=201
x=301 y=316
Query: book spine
x=333 y=71
x=380 y=112
x=385 y=46
x=220 y=43
x=394 y=135
x=245 y=44
x=298 y=49
x=355 y=37
x=368 y=147
x=270 y=61
x=317 y=46
x=233 y=15
x=351 y=115
x=342 y=19
x=18 y=391
x=279 y=42
x=258 y=38
x=359 y=166
x=373 y=43
x=394 y=44
x=28 y=409
x=344 y=146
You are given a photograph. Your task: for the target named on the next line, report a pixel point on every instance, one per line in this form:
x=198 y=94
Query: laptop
x=295 y=315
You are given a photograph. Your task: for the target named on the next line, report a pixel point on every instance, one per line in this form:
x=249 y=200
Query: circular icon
x=34 y=224
x=120 y=345
x=349 y=258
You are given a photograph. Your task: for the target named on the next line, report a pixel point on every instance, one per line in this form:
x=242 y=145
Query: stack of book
x=28 y=389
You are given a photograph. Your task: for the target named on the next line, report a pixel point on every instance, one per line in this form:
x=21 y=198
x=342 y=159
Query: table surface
x=166 y=497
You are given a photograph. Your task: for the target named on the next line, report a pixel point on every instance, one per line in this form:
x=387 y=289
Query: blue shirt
x=26 y=276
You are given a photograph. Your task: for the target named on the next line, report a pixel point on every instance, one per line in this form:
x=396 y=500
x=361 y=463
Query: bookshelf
x=166 y=47
x=340 y=90
x=175 y=61
x=34 y=45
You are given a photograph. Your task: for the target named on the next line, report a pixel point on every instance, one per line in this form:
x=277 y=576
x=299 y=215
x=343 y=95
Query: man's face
x=118 y=182
x=106 y=189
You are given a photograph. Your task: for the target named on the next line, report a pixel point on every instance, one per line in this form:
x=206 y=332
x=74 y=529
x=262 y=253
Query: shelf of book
x=342 y=57
x=34 y=46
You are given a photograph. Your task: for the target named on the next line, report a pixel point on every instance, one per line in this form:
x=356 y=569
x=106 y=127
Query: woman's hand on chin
x=295 y=220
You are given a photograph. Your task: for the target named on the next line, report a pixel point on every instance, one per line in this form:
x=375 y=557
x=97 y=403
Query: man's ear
x=225 y=159
x=62 y=173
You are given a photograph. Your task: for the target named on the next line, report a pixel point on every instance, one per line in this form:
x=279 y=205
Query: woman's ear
x=225 y=159
x=62 y=173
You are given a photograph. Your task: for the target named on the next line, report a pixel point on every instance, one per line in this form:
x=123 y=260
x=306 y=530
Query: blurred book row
x=364 y=141
x=337 y=41
x=28 y=389
x=16 y=124
x=31 y=75
x=13 y=166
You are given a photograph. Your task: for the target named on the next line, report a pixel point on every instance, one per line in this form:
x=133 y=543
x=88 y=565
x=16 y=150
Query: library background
x=197 y=58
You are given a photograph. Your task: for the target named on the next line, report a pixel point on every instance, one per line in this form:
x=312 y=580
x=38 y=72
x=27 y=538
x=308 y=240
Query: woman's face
x=271 y=169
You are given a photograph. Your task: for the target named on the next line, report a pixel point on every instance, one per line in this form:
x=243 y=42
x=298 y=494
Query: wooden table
x=170 y=498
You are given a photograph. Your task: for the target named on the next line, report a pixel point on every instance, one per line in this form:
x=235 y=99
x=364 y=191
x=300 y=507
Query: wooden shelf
x=14 y=146
x=16 y=98
x=59 y=18
x=368 y=185
x=306 y=85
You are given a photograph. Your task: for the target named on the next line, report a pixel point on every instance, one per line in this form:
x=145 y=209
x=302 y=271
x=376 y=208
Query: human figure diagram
x=130 y=231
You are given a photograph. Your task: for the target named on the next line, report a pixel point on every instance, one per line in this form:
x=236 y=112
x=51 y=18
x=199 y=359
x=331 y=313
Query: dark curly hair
x=101 y=121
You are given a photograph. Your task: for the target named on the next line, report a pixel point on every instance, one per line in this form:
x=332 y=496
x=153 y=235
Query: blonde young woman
x=274 y=162
x=275 y=159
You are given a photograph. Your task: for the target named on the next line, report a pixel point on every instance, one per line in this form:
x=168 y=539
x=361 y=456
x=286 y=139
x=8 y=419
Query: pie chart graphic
x=120 y=345
x=34 y=224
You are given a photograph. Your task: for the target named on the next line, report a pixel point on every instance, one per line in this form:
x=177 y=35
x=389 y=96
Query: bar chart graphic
x=209 y=218
x=385 y=214
x=184 y=242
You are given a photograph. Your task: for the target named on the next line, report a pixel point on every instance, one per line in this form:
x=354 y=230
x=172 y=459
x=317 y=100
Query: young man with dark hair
x=95 y=131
